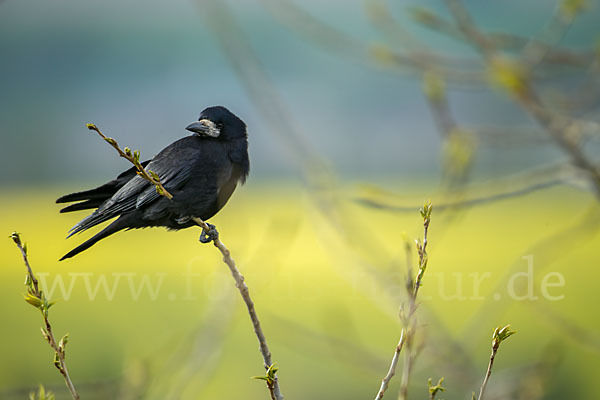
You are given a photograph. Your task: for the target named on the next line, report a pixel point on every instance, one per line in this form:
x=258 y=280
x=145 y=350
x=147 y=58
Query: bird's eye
x=219 y=125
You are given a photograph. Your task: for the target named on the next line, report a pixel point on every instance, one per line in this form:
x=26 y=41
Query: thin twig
x=36 y=298
x=150 y=176
x=392 y=371
x=554 y=54
x=17 y=239
x=409 y=320
x=407 y=333
x=408 y=364
x=488 y=373
x=134 y=158
x=500 y=334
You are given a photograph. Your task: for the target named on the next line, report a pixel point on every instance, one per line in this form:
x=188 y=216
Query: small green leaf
x=272 y=370
x=271 y=375
x=91 y=127
x=111 y=141
x=41 y=394
x=63 y=342
x=505 y=333
x=154 y=175
x=437 y=388
x=33 y=300
x=501 y=334
x=426 y=210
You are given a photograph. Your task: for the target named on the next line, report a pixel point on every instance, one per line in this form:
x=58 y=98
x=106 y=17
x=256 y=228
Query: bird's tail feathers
x=100 y=193
x=117 y=225
x=84 y=205
x=91 y=220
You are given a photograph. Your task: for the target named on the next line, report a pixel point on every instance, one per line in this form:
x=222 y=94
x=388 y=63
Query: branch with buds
x=434 y=389
x=407 y=317
x=36 y=297
x=209 y=233
x=500 y=334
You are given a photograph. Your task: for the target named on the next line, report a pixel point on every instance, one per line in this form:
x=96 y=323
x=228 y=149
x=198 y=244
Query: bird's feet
x=211 y=235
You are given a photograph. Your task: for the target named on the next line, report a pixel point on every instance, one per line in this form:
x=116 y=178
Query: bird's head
x=220 y=123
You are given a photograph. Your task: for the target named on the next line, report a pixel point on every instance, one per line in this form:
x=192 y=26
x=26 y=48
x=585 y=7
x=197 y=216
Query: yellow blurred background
x=328 y=300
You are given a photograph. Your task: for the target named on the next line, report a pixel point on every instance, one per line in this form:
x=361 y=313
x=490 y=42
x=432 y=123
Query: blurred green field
x=327 y=286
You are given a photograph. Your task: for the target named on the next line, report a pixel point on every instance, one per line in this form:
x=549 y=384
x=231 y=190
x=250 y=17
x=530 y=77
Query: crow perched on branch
x=201 y=171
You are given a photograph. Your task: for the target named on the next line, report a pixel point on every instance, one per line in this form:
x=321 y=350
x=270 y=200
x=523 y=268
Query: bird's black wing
x=138 y=192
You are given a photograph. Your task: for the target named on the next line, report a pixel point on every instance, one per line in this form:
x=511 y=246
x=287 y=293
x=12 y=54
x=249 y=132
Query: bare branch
x=392 y=371
x=300 y=21
x=467 y=203
x=505 y=41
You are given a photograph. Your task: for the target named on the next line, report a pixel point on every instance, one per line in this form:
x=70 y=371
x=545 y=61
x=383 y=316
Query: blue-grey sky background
x=143 y=70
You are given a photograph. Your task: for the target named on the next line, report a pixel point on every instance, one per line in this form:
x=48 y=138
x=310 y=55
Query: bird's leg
x=212 y=234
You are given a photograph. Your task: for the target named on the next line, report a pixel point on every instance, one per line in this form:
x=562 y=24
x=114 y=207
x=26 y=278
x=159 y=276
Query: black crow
x=201 y=171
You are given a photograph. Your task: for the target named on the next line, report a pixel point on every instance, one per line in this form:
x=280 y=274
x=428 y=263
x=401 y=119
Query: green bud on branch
x=16 y=238
x=33 y=300
x=41 y=394
x=433 y=390
x=501 y=334
x=270 y=376
x=426 y=210
x=154 y=175
x=63 y=342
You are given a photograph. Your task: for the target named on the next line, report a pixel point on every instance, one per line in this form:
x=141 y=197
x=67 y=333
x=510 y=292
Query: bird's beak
x=204 y=127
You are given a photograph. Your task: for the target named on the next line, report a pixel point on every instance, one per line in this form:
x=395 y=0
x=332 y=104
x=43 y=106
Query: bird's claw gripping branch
x=211 y=235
